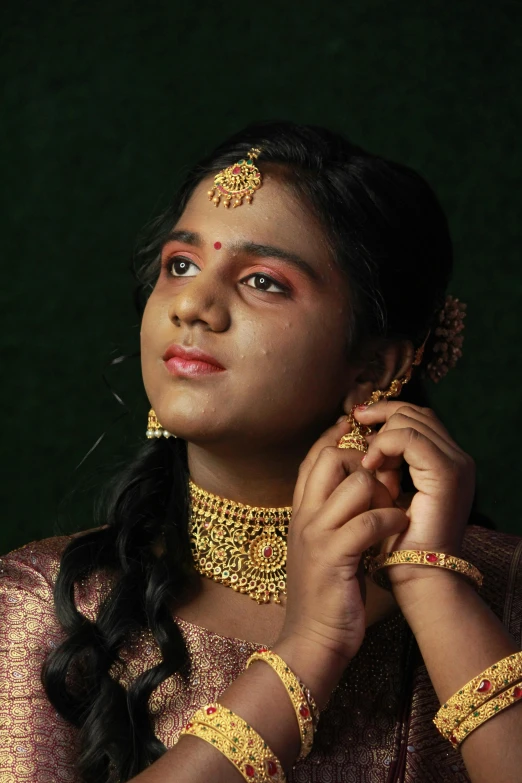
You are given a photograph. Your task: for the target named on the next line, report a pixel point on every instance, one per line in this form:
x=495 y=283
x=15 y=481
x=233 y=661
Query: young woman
x=253 y=524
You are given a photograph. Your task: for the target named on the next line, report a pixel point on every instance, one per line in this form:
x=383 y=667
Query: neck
x=253 y=479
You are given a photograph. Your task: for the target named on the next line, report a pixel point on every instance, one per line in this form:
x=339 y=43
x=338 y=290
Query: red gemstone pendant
x=267 y=551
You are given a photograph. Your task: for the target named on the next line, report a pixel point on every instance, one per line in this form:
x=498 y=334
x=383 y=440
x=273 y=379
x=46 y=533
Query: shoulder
x=499 y=557
x=34 y=566
x=30 y=572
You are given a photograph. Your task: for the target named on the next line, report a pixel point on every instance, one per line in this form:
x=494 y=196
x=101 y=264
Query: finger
x=420 y=452
x=402 y=420
x=359 y=492
x=330 y=469
x=369 y=528
x=384 y=410
x=329 y=438
x=391 y=479
x=340 y=497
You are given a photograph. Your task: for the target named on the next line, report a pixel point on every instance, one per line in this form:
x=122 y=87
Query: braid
x=147 y=499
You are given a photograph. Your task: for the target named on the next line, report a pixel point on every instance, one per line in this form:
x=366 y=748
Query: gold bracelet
x=418 y=557
x=484 y=713
x=298 y=698
x=480 y=689
x=238 y=741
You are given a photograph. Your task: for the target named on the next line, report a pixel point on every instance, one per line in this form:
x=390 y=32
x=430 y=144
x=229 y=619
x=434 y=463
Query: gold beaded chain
x=240 y=546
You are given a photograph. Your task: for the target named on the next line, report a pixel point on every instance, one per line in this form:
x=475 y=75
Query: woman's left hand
x=443 y=475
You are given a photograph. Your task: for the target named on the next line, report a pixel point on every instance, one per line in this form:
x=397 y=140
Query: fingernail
x=341 y=418
x=361 y=407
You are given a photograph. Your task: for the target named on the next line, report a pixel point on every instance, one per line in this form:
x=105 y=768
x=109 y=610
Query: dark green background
x=105 y=104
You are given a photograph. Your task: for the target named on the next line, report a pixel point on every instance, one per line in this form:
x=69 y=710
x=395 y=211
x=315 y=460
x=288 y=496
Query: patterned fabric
x=376 y=728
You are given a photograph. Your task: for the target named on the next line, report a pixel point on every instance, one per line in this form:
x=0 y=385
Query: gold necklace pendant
x=237 y=181
x=242 y=547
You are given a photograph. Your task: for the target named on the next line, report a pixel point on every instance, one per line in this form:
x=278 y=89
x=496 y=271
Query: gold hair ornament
x=448 y=348
x=236 y=182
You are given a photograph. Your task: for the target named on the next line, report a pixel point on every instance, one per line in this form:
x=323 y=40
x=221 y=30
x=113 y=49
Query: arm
x=459 y=636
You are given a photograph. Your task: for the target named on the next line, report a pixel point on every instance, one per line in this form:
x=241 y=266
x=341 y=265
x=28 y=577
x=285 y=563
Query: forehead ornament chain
x=243 y=547
x=236 y=182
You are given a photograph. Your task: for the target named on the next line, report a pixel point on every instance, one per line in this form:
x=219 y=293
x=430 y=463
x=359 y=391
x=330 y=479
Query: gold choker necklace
x=242 y=547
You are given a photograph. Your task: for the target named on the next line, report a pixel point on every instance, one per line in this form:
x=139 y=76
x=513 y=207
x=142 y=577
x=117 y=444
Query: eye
x=262 y=282
x=181 y=267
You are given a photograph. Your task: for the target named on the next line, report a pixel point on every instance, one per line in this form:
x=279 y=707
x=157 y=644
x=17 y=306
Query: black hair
x=389 y=234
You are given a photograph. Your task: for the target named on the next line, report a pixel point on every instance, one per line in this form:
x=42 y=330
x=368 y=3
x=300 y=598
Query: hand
x=336 y=516
x=443 y=475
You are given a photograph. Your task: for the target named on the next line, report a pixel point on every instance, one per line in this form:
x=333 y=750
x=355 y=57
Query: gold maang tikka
x=238 y=181
x=356 y=438
x=243 y=547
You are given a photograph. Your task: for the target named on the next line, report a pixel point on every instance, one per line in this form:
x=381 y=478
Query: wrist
x=317 y=667
x=426 y=596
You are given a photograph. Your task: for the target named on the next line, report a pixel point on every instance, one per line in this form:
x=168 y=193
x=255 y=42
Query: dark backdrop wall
x=105 y=104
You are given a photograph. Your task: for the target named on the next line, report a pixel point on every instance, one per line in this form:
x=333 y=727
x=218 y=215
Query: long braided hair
x=390 y=236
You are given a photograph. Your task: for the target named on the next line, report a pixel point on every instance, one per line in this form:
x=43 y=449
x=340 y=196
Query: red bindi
x=217 y=245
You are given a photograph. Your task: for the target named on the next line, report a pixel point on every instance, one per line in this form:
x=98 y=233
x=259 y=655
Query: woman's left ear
x=383 y=362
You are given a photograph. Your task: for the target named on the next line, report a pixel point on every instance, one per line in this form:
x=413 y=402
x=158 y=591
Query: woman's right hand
x=339 y=510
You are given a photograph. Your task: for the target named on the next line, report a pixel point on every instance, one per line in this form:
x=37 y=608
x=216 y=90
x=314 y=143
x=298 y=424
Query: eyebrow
x=179 y=235
x=250 y=248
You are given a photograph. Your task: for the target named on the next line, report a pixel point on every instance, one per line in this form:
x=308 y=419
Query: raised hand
x=443 y=475
x=339 y=510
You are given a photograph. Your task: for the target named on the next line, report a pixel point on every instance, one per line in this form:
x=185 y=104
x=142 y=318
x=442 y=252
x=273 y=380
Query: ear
x=380 y=362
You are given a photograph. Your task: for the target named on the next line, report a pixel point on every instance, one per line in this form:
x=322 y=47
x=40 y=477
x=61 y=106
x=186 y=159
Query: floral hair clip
x=447 y=349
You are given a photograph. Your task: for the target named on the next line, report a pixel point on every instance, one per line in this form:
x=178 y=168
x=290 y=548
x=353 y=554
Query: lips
x=190 y=362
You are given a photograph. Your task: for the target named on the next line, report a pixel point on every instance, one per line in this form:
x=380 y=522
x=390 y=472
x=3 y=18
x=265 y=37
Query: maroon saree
x=377 y=727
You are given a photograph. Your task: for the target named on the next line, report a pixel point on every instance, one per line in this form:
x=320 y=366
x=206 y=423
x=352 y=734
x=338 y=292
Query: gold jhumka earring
x=155 y=429
x=236 y=182
x=356 y=438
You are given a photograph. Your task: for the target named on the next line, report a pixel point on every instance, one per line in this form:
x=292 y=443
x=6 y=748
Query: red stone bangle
x=418 y=557
x=480 y=689
x=296 y=692
x=238 y=741
x=484 y=713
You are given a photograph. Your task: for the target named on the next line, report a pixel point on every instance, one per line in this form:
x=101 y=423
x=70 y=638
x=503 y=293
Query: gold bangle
x=480 y=689
x=418 y=557
x=294 y=688
x=238 y=741
x=484 y=713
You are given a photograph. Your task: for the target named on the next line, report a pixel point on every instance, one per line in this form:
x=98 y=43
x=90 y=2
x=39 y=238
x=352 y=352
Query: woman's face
x=256 y=289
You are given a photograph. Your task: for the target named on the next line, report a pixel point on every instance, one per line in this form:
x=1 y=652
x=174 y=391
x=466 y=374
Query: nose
x=201 y=301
